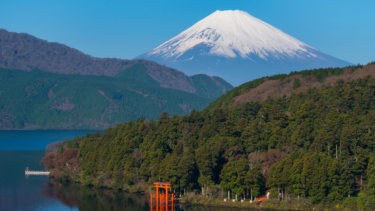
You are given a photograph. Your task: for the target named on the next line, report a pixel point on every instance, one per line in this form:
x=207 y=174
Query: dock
x=28 y=172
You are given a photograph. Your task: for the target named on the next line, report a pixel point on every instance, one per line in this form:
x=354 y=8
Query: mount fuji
x=238 y=47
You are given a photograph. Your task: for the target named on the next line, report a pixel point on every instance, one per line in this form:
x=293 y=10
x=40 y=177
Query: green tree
x=234 y=174
x=254 y=181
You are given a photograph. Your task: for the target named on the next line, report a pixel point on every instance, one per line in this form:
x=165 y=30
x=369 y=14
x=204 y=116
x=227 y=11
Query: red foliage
x=266 y=160
x=48 y=161
x=66 y=158
x=231 y=153
x=53 y=160
x=234 y=148
x=270 y=158
x=255 y=158
x=53 y=147
x=236 y=157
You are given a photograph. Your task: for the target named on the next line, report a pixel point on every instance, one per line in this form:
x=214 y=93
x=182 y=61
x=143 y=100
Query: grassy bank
x=351 y=204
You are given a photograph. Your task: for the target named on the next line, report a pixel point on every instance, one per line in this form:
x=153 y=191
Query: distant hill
x=202 y=85
x=25 y=52
x=44 y=100
x=238 y=47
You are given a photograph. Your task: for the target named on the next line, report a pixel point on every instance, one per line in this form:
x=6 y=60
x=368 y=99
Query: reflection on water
x=161 y=207
x=18 y=192
x=90 y=198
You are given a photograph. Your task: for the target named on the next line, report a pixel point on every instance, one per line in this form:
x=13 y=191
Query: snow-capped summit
x=239 y=48
x=231 y=34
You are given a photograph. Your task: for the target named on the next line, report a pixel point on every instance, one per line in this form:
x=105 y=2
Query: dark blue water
x=21 y=149
x=18 y=192
x=35 y=139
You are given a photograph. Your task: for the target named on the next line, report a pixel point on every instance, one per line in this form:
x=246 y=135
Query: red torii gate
x=161 y=199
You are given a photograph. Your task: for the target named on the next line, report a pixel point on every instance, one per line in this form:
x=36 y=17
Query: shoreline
x=177 y=200
x=200 y=200
x=251 y=208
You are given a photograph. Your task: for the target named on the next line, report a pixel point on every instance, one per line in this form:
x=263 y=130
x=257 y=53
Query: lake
x=21 y=149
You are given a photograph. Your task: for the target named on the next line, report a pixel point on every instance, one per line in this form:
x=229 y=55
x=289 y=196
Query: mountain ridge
x=26 y=52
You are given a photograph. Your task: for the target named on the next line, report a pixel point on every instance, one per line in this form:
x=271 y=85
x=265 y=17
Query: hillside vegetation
x=43 y=100
x=313 y=147
x=203 y=85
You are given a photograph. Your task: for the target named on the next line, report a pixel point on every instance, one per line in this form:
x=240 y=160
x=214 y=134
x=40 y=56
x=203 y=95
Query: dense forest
x=317 y=145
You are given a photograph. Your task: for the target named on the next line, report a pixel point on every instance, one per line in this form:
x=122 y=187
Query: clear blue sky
x=125 y=29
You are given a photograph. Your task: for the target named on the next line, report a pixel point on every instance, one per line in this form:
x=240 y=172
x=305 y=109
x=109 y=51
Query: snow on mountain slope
x=234 y=40
x=229 y=32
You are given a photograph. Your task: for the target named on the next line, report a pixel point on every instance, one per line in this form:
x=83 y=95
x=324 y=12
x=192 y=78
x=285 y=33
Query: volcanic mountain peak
x=233 y=33
x=238 y=47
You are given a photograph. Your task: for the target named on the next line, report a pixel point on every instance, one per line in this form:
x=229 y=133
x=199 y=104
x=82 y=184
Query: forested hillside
x=202 y=85
x=43 y=100
x=316 y=145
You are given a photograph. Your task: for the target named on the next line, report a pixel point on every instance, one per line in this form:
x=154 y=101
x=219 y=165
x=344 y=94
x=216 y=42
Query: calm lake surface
x=21 y=149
